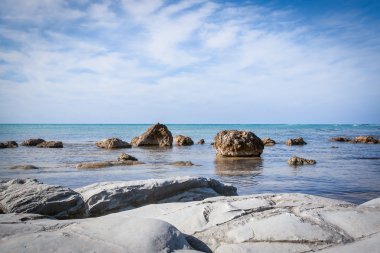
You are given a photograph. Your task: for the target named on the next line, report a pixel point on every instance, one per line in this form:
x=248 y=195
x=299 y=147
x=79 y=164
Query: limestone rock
x=156 y=135
x=365 y=139
x=31 y=196
x=234 y=143
x=32 y=142
x=50 y=144
x=8 y=144
x=296 y=141
x=201 y=142
x=340 y=139
x=24 y=167
x=106 y=197
x=268 y=142
x=112 y=143
x=182 y=163
x=126 y=157
x=181 y=140
x=295 y=160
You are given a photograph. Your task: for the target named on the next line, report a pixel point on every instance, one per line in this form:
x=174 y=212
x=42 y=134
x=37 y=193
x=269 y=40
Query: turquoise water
x=349 y=172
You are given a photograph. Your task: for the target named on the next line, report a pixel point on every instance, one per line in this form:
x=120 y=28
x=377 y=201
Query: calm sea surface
x=348 y=172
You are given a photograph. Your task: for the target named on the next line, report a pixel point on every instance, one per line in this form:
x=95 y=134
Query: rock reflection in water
x=238 y=166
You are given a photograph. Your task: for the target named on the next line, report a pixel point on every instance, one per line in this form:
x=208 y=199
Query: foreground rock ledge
x=256 y=223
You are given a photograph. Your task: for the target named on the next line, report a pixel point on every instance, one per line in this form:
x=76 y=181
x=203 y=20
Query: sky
x=201 y=61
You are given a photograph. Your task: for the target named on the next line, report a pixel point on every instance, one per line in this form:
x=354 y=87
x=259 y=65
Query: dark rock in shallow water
x=50 y=144
x=31 y=196
x=268 y=142
x=296 y=141
x=32 y=142
x=181 y=140
x=300 y=161
x=8 y=144
x=365 y=139
x=340 y=139
x=24 y=167
x=156 y=135
x=201 y=142
x=126 y=157
x=105 y=164
x=182 y=163
x=113 y=143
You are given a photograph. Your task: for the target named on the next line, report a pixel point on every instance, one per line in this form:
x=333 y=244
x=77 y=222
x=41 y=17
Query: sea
x=344 y=171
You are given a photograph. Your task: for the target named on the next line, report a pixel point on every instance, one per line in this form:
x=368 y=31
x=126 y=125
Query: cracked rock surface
x=255 y=223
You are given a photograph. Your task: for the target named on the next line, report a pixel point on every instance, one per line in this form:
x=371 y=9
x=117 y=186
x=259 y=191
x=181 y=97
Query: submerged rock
x=156 y=135
x=32 y=142
x=105 y=164
x=31 y=196
x=126 y=157
x=182 y=163
x=296 y=141
x=365 y=139
x=201 y=142
x=340 y=139
x=295 y=160
x=113 y=143
x=106 y=197
x=268 y=142
x=24 y=167
x=8 y=144
x=50 y=144
x=181 y=140
x=234 y=143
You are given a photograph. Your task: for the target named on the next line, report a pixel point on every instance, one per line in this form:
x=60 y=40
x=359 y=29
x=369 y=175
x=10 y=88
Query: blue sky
x=128 y=61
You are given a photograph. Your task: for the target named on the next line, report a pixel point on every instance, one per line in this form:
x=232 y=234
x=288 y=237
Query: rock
x=181 y=140
x=300 y=161
x=212 y=143
x=365 y=139
x=107 y=197
x=182 y=163
x=234 y=143
x=24 y=167
x=296 y=141
x=156 y=135
x=340 y=139
x=31 y=196
x=268 y=142
x=32 y=142
x=8 y=144
x=113 y=143
x=126 y=157
x=50 y=144
x=105 y=164
x=201 y=142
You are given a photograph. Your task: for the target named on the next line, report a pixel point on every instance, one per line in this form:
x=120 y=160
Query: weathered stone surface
x=340 y=139
x=31 y=196
x=8 y=144
x=182 y=163
x=156 y=135
x=296 y=141
x=234 y=143
x=201 y=142
x=126 y=157
x=106 y=197
x=181 y=140
x=24 y=167
x=113 y=143
x=295 y=160
x=268 y=142
x=32 y=142
x=365 y=139
x=105 y=164
x=50 y=144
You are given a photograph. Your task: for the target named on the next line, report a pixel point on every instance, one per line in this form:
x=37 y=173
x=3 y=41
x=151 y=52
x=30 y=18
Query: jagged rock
x=8 y=144
x=181 y=140
x=340 y=139
x=156 y=135
x=365 y=139
x=234 y=143
x=106 y=197
x=126 y=157
x=31 y=196
x=201 y=142
x=32 y=142
x=295 y=160
x=182 y=163
x=105 y=164
x=50 y=144
x=24 y=167
x=268 y=142
x=296 y=141
x=113 y=143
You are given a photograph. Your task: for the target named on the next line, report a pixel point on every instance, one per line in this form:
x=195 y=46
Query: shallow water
x=349 y=172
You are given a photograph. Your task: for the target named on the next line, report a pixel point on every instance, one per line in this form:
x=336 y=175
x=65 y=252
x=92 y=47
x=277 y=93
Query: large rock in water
x=8 y=144
x=365 y=139
x=156 y=135
x=268 y=142
x=50 y=144
x=32 y=142
x=234 y=143
x=31 y=196
x=113 y=143
x=181 y=140
x=257 y=223
x=106 y=197
x=296 y=141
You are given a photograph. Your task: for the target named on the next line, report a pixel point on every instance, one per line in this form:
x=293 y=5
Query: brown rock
x=182 y=163
x=366 y=139
x=50 y=144
x=296 y=141
x=201 y=141
x=340 y=139
x=268 y=142
x=300 y=161
x=32 y=142
x=113 y=143
x=24 y=167
x=181 y=140
x=126 y=157
x=98 y=165
x=156 y=135
x=8 y=144
x=234 y=143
